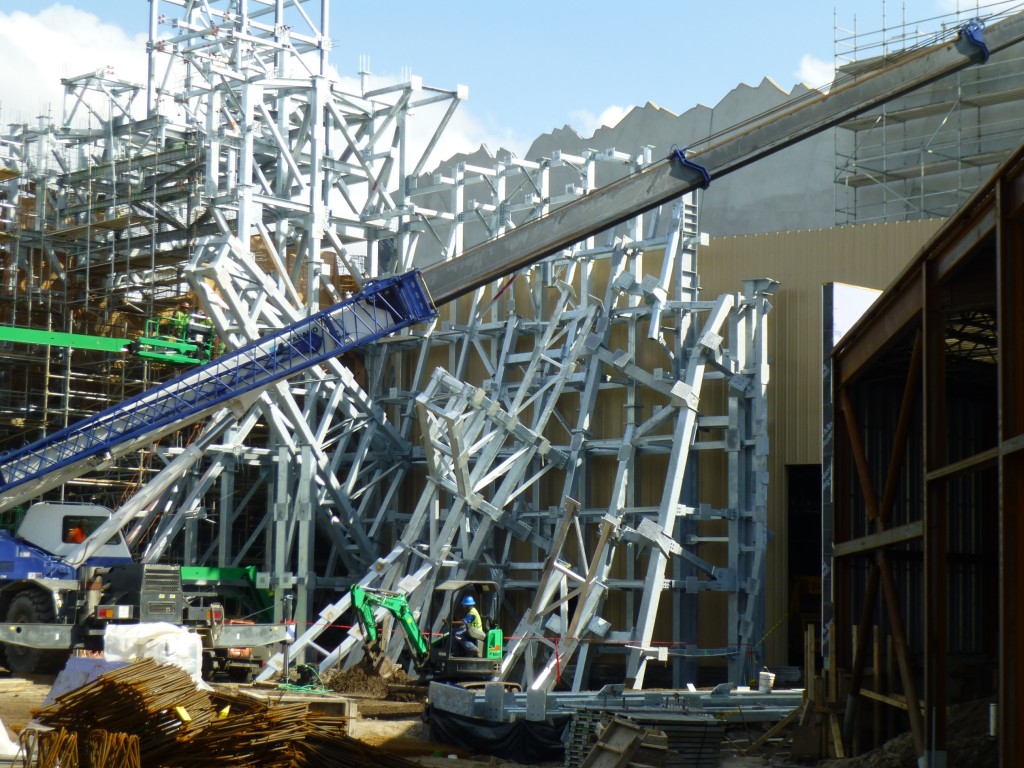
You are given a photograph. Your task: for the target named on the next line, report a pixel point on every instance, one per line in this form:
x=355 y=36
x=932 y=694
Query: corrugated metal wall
x=870 y=255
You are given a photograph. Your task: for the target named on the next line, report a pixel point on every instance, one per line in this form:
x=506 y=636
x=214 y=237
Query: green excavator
x=446 y=657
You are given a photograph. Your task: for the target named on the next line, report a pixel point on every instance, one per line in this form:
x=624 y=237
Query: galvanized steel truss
x=495 y=452
x=285 y=191
x=298 y=173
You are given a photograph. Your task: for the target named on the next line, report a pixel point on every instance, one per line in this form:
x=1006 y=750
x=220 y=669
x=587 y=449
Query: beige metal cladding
x=802 y=261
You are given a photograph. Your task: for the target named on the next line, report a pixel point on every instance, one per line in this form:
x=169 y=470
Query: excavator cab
x=450 y=657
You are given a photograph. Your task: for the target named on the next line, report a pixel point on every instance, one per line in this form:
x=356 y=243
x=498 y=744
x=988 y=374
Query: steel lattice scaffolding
x=262 y=188
x=505 y=458
x=923 y=155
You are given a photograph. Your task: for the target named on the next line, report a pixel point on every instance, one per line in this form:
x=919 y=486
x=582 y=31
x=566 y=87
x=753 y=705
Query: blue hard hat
x=468 y=600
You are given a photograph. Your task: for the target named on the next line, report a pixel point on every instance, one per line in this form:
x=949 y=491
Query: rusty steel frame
x=911 y=321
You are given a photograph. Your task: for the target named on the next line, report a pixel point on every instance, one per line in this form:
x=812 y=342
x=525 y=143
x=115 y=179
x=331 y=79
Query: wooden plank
x=895 y=700
x=837 y=736
x=775 y=729
x=874 y=541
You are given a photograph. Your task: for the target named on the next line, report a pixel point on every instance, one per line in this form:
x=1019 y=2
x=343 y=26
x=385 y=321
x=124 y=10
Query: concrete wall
x=793 y=189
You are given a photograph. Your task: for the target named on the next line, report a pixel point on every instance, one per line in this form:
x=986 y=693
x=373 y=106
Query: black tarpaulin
x=521 y=741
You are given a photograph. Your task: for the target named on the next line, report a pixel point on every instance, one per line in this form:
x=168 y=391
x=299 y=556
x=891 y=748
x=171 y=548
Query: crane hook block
x=680 y=155
x=972 y=32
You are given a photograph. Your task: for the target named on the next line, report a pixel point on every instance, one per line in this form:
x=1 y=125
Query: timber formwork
x=928 y=488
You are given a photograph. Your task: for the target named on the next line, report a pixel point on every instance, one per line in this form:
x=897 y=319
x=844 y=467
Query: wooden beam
x=895 y=700
x=837 y=736
x=899 y=637
x=908 y=406
x=874 y=541
x=934 y=598
x=872 y=336
x=1011 y=468
x=970 y=464
x=945 y=260
x=775 y=729
x=860 y=653
x=859 y=456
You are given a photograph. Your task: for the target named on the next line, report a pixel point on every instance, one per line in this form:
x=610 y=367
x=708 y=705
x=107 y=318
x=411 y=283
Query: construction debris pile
x=149 y=714
x=677 y=740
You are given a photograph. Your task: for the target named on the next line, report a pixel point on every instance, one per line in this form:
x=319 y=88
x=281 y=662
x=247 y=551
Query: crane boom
x=381 y=308
x=391 y=304
x=670 y=179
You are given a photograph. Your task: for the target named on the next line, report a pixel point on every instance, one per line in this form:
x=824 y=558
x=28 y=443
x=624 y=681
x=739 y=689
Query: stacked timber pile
x=583 y=730
x=152 y=715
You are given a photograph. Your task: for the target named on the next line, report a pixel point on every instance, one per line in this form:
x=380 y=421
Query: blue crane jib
x=381 y=308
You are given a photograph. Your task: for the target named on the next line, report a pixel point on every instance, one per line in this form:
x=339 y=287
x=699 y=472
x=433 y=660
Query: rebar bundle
x=104 y=749
x=262 y=735
x=152 y=715
x=56 y=748
x=325 y=747
x=158 y=703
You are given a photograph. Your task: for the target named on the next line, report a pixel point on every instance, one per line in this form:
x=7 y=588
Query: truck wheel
x=32 y=607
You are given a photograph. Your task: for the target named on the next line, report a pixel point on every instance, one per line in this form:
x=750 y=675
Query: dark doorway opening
x=803 y=483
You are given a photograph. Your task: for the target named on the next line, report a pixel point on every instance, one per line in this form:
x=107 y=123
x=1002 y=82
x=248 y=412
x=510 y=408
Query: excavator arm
x=365 y=601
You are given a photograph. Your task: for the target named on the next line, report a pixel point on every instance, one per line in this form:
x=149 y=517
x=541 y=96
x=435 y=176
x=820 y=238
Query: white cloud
x=466 y=132
x=63 y=41
x=586 y=122
x=57 y=42
x=815 y=72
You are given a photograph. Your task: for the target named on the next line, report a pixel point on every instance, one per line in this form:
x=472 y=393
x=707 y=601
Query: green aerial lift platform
x=170 y=340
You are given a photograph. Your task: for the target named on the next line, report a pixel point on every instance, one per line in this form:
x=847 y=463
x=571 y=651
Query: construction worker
x=176 y=325
x=75 y=535
x=181 y=318
x=192 y=326
x=471 y=634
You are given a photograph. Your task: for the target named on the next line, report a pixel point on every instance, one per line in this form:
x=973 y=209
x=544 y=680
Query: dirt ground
x=398 y=728
x=968 y=743
x=392 y=727
x=19 y=697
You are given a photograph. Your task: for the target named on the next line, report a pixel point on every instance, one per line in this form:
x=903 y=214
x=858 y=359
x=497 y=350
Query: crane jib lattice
x=381 y=308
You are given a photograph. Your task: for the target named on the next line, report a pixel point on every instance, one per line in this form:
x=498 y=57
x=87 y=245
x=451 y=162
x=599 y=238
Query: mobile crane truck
x=53 y=606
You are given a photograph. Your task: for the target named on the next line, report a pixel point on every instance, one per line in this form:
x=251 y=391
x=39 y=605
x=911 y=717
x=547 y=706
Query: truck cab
x=59 y=527
x=50 y=606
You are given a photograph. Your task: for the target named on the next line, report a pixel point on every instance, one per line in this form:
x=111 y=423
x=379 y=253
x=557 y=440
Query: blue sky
x=530 y=66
